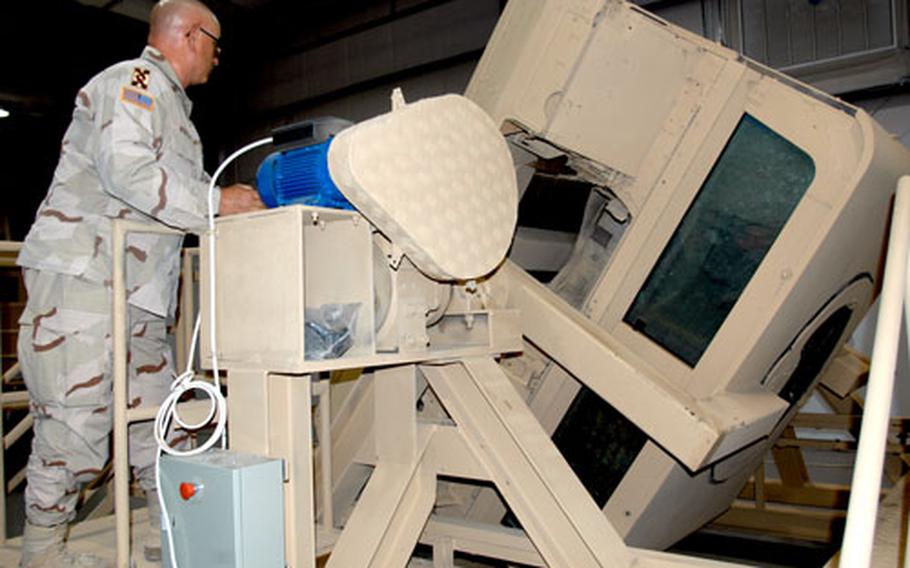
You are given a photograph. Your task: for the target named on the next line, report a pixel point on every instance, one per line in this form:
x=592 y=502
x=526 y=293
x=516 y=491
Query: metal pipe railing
x=11 y=372
x=10 y=246
x=122 y=418
x=870 y=455
x=119 y=326
x=6 y=248
x=3 y=468
x=18 y=431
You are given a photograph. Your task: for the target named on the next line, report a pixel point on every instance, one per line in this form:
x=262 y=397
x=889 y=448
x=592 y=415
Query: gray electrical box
x=225 y=509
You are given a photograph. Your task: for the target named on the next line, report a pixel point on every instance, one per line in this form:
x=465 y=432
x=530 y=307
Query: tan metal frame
x=124 y=416
x=490 y=434
x=495 y=437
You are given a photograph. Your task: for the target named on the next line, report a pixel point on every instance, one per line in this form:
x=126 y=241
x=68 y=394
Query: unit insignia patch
x=141 y=78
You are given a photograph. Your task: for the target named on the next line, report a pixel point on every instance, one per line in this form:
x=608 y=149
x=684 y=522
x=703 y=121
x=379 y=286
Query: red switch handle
x=187 y=490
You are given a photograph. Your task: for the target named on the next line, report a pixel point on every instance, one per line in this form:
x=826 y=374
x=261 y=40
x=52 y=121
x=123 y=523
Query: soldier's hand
x=239 y=198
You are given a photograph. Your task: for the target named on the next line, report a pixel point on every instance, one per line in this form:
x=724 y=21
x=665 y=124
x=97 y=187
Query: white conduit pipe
x=870 y=456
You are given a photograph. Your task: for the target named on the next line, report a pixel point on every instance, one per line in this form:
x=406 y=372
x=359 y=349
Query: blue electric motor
x=299 y=176
x=298 y=173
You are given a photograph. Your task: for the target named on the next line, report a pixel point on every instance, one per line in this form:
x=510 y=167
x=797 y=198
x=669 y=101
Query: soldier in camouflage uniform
x=130 y=152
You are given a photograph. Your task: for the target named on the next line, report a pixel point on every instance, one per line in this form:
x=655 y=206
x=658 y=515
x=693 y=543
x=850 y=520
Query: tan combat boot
x=43 y=547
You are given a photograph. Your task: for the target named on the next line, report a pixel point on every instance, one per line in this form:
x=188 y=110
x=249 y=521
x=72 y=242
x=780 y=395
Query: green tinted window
x=750 y=193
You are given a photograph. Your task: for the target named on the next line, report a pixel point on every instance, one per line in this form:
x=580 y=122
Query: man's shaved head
x=186 y=33
x=170 y=17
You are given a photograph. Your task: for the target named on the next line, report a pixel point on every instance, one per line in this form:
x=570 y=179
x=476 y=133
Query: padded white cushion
x=435 y=176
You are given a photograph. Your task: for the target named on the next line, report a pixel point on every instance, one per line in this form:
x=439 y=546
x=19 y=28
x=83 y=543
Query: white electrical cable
x=231 y=158
x=167 y=412
x=168 y=409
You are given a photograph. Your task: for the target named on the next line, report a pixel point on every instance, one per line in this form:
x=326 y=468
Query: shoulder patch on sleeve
x=138 y=98
x=141 y=77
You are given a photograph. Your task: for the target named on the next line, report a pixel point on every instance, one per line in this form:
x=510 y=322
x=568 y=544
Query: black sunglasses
x=214 y=39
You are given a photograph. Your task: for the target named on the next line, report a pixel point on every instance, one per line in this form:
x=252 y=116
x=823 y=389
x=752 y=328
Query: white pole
x=870 y=456
x=907 y=326
x=121 y=449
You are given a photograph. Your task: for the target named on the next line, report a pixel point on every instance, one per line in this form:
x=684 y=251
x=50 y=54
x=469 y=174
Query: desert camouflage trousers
x=65 y=350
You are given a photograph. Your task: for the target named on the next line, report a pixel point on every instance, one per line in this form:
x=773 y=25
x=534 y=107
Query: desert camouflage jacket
x=130 y=152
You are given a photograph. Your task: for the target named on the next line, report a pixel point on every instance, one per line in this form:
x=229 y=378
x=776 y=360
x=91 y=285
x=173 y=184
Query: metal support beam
x=291 y=439
x=554 y=508
x=272 y=415
x=399 y=496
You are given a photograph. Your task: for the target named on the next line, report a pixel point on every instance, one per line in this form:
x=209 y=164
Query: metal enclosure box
x=272 y=267
x=236 y=517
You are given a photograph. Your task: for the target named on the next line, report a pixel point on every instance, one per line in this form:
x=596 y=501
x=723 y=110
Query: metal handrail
x=6 y=248
x=10 y=246
x=16 y=398
x=870 y=455
x=119 y=325
x=123 y=416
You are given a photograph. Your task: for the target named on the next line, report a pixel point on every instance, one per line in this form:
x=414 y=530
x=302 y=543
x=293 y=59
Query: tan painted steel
x=391 y=454
x=642 y=109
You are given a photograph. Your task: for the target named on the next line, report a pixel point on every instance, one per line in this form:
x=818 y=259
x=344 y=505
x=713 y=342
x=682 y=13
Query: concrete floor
x=95 y=537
